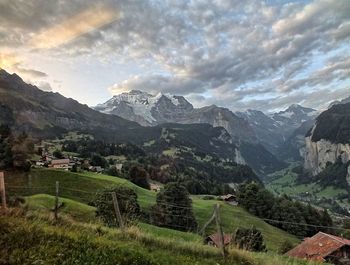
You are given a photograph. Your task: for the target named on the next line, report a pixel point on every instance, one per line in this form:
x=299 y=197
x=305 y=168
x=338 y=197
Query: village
x=56 y=159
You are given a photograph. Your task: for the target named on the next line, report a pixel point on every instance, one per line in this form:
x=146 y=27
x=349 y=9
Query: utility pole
x=117 y=211
x=2 y=190
x=219 y=228
x=56 y=200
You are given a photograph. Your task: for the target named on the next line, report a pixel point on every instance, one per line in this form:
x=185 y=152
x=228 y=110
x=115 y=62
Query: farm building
x=324 y=248
x=214 y=240
x=60 y=163
x=230 y=199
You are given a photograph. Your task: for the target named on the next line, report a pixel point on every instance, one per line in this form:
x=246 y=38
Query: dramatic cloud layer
x=238 y=54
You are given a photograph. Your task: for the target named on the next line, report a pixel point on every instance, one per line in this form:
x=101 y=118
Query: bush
x=97 y=160
x=249 y=239
x=58 y=154
x=139 y=176
x=127 y=201
x=208 y=197
x=173 y=208
x=285 y=247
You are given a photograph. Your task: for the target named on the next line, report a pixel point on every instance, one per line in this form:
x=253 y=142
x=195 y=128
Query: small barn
x=324 y=248
x=214 y=240
x=230 y=199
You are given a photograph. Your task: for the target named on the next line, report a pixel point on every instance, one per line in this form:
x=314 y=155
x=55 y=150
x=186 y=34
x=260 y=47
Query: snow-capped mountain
x=274 y=130
x=150 y=110
x=294 y=115
x=144 y=108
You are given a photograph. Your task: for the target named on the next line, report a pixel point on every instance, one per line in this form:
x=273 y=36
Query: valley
x=211 y=152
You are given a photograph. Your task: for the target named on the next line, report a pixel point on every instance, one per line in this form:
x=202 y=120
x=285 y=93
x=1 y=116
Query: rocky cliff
x=318 y=154
x=329 y=139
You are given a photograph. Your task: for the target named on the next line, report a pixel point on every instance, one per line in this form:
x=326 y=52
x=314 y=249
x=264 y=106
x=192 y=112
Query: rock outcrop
x=329 y=139
x=319 y=153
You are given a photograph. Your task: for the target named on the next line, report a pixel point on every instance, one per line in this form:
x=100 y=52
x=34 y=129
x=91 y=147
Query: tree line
x=283 y=212
x=15 y=150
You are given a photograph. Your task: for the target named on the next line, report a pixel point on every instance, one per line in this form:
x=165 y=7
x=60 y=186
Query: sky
x=263 y=55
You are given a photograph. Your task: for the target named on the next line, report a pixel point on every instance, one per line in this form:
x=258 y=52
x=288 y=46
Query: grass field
x=79 y=188
x=285 y=182
x=35 y=239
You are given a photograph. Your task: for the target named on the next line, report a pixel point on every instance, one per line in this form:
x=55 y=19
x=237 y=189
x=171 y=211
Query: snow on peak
x=141 y=102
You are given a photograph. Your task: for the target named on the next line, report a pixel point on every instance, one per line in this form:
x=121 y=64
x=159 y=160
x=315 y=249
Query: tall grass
x=35 y=238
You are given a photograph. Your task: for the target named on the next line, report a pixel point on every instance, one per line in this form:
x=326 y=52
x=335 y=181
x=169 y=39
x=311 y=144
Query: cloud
x=73 y=27
x=156 y=83
x=45 y=86
x=8 y=60
x=228 y=52
x=28 y=72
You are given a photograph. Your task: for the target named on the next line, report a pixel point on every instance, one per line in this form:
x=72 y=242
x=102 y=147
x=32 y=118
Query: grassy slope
x=81 y=186
x=37 y=240
x=77 y=210
x=284 y=182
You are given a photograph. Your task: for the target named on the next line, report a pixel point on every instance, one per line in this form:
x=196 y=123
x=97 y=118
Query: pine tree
x=6 y=157
x=173 y=208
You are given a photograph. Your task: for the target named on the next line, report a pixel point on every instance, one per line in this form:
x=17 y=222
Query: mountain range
x=263 y=141
x=49 y=115
x=270 y=133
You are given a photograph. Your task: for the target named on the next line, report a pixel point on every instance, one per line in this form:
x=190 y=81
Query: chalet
x=230 y=199
x=214 y=240
x=60 y=163
x=96 y=169
x=324 y=248
x=119 y=167
x=39 y=163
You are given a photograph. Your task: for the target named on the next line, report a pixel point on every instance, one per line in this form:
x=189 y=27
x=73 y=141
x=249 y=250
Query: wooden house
x=324 y=248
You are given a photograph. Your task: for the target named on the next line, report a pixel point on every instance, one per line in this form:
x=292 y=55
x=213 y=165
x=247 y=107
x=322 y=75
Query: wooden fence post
x=220 y=232
x=117 y=210
x=3 y=190
x=56 y=200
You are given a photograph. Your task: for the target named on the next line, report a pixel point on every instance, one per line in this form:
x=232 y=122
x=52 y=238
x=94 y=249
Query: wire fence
x=176 y=206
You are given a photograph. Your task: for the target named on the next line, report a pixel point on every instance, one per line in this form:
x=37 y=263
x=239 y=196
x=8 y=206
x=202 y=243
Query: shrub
x=58 y=154
x=285 y=247
x=127 y=201
x=249 y=239
x=173 y=208
x=139 y=176
x=208 y=197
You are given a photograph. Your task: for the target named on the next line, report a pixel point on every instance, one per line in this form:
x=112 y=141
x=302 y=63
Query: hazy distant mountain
x=343 y=101
x=274 y=130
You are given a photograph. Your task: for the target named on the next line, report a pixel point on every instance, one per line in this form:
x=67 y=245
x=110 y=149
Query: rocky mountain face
x=276 y=131
x=48 y=114
x=329 y=139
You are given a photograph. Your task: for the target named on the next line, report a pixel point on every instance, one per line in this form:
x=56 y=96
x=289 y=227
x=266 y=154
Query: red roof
x=216 y=239
x=318 y=247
